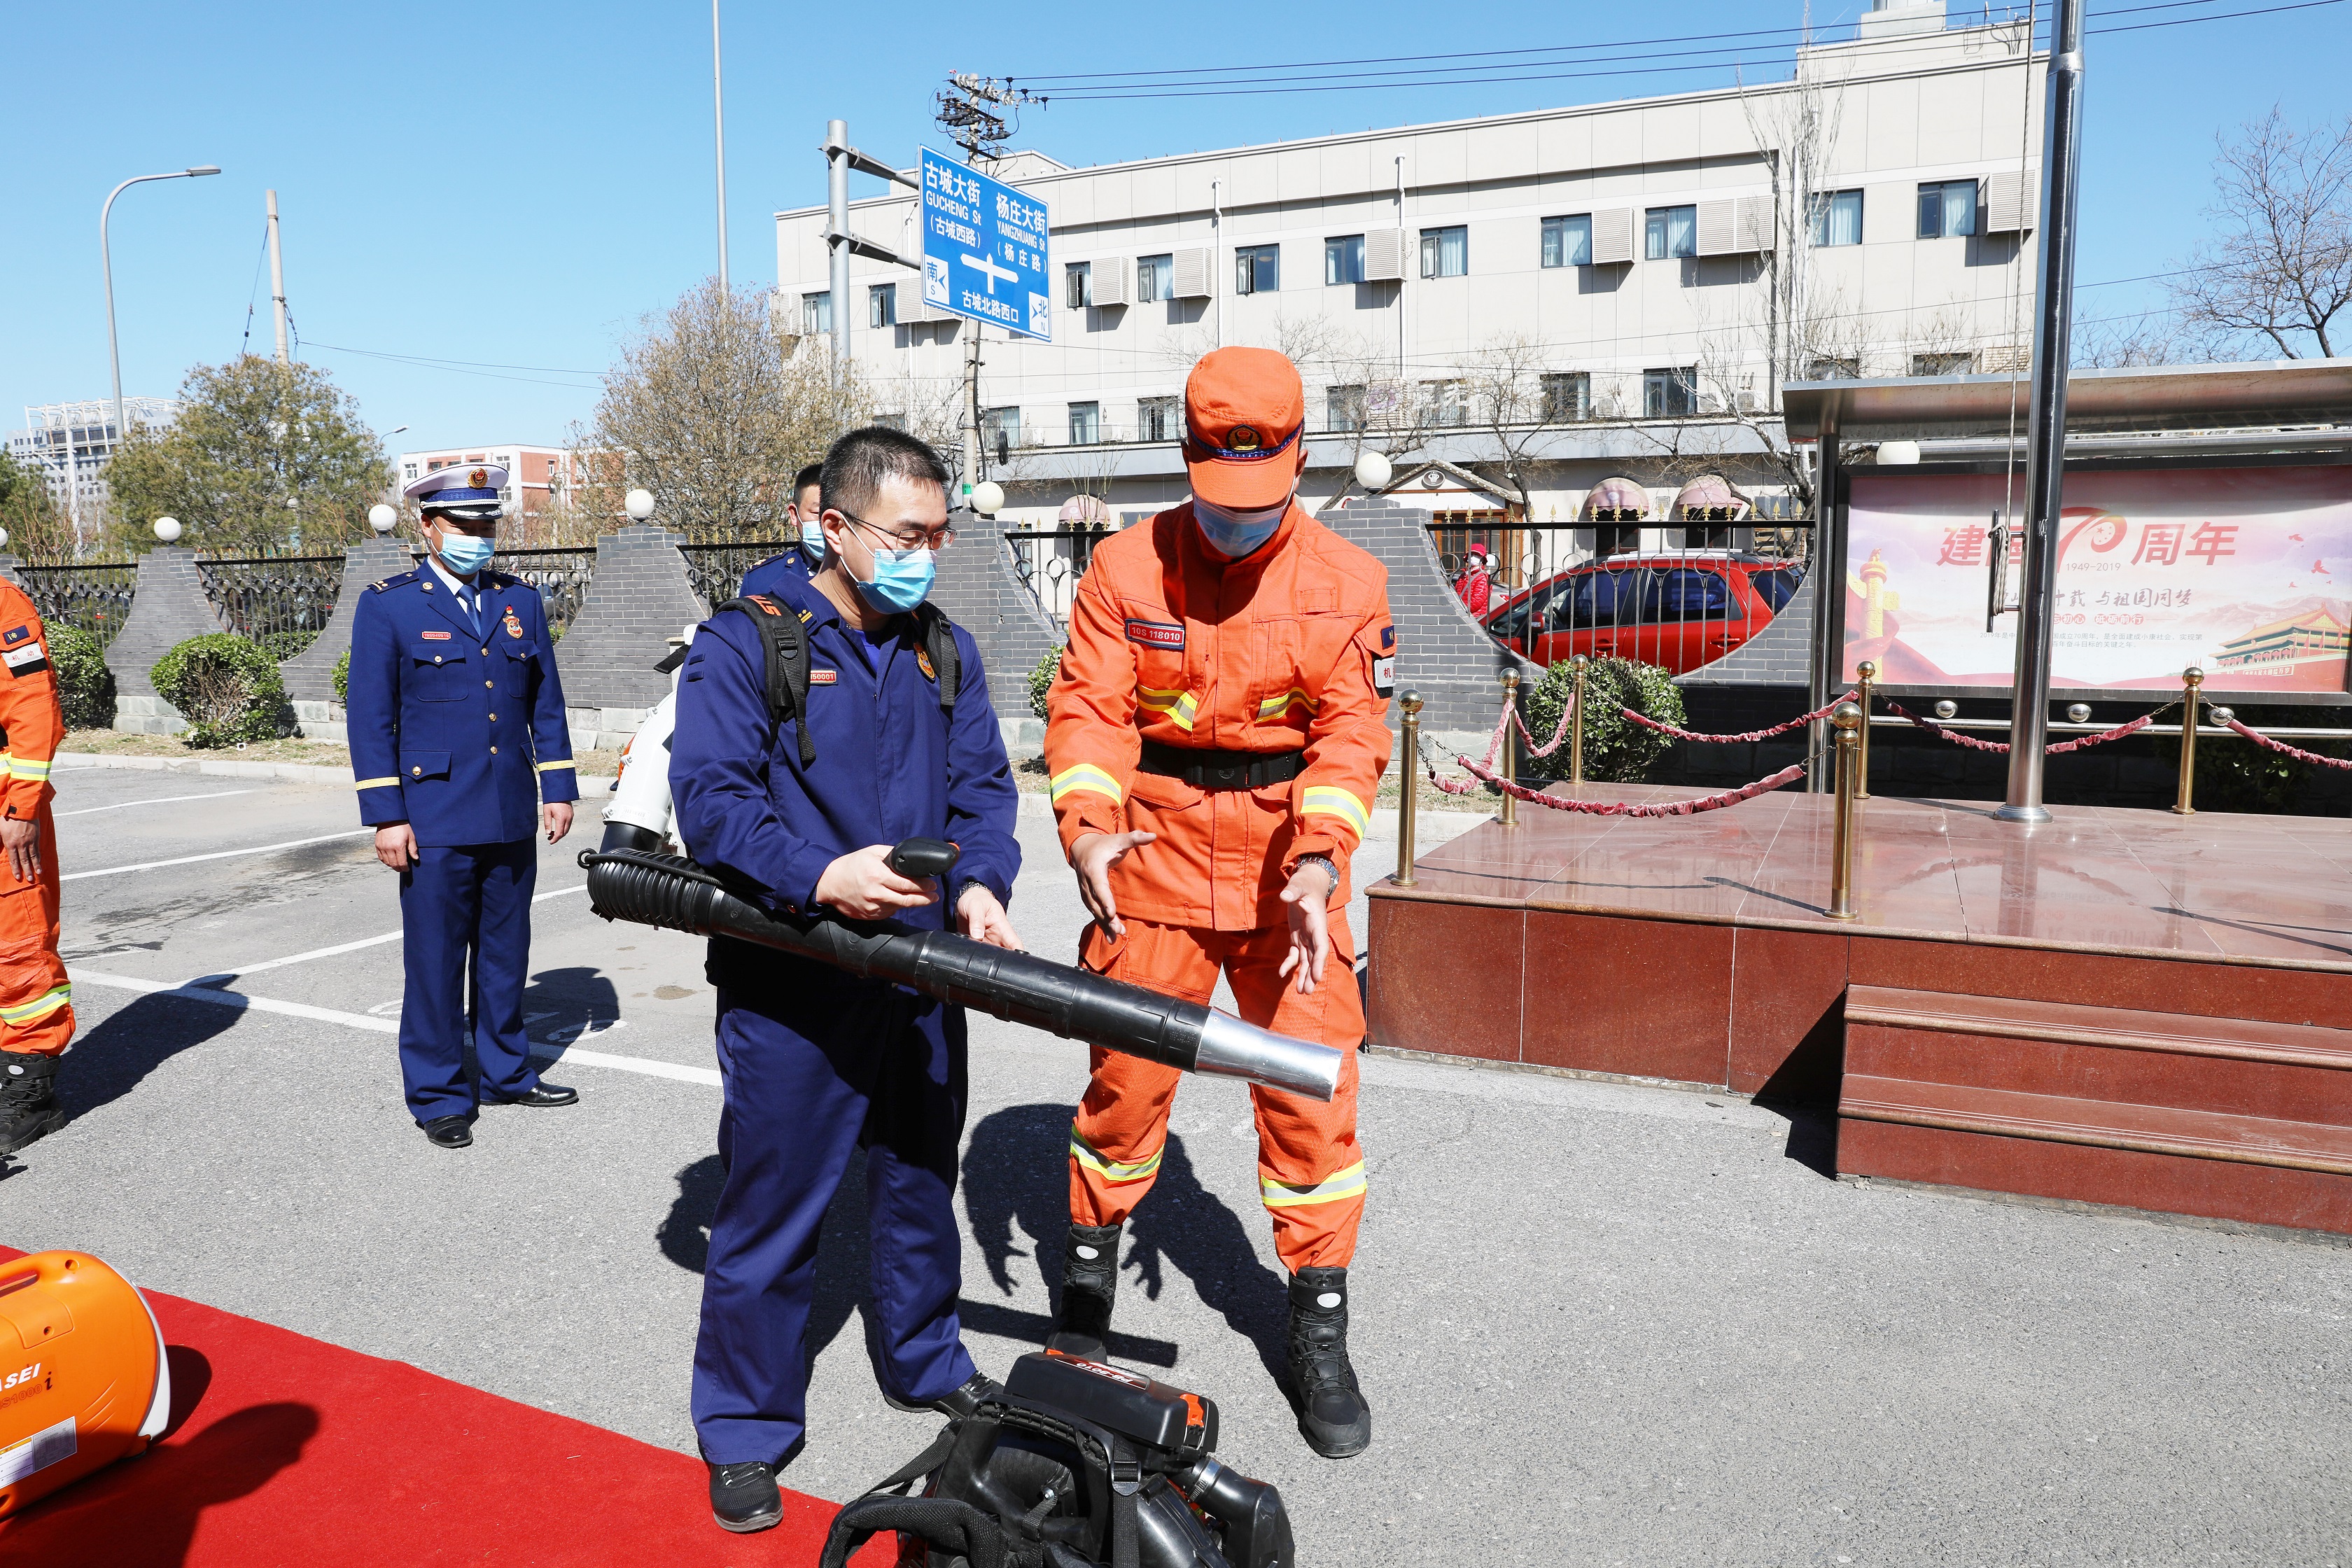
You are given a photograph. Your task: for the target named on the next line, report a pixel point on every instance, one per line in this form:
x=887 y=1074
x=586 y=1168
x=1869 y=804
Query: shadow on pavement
x=562 y=1006
x=112 y=1059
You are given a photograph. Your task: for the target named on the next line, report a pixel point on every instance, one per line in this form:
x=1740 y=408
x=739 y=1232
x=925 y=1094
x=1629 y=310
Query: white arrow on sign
x=994 y=268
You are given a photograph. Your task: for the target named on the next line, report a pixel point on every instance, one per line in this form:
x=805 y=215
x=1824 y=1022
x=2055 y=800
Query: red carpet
x=288 y=1450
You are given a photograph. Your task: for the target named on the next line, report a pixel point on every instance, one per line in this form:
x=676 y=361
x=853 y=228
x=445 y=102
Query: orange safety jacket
x=1290 y=650
x=29 y=714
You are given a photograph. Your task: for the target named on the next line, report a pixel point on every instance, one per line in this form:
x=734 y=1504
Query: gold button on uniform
x=493 y=715
x=418 y=772
x=436 y=659
x=489 y=683
x=494 y=751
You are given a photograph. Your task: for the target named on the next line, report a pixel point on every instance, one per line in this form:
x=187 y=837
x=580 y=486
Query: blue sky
x=516 y=184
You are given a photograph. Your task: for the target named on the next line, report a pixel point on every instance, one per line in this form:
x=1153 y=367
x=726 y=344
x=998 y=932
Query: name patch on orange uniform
x=1156 y=634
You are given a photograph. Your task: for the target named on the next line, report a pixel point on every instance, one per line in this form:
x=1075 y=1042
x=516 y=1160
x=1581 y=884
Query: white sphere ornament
x=382 y=518
x=167 y=529
x=3 y=538
x=987 y=497
x=1898 y=452
x=1373 y=470
x=640 y=504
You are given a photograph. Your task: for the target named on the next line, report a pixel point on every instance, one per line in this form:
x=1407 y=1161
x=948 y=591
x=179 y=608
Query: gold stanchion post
x=1576 y=725
x=1847 y=718
x=2192 y=680
x=1510 y=746
x=1407 y=802
x=1869 y=674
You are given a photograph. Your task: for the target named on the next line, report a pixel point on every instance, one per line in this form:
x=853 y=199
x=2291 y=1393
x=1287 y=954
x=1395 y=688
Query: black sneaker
x=954 y=1406
x=29 y=1109
x=744 y=1498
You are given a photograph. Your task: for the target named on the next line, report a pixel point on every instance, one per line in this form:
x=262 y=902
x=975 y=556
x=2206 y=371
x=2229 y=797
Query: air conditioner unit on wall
x=1612 y=235
x=2011 y=200
x=1384 y=256
x=1193 y=273
x=1114 y=280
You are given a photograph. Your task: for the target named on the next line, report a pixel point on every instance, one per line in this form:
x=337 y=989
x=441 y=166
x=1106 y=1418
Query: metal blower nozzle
x=1231 y=1048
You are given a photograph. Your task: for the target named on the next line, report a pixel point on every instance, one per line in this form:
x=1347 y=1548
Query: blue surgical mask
x=464 y=554
x=813 y=533
x=902 y=579
x=1234 y=534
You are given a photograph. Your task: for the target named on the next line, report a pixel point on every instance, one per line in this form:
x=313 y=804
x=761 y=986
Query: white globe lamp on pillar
x=1373 y=472
x=3 y=539
x=987 y=497
x=380 y=517
x=641 y=505
x=167 y=529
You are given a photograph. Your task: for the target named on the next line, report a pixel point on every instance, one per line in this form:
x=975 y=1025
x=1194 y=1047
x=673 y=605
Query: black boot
x=28 y=1103
x=1333 y=1415
x=1089 y=1284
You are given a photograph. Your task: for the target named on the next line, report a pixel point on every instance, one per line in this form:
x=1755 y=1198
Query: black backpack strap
x=788 y=663
x=948 y=1524
x=937 y=635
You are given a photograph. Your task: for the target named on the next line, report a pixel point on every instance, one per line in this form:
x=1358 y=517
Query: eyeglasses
x=933 y=539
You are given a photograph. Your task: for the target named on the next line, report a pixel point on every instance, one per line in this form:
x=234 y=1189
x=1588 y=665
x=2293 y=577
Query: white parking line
x=159 y=800
x=216 y=855
x=243 y=1002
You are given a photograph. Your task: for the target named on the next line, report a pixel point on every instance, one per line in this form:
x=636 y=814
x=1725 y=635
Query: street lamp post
x=106 y=260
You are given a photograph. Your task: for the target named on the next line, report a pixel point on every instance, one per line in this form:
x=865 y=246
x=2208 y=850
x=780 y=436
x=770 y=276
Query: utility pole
x=718 y=121
x=278 y=280
x=836 y=198
x=2045 y=449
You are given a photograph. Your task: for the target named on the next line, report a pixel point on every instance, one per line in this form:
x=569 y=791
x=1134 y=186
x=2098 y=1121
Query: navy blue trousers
x=845 y=1063
x=469 y=899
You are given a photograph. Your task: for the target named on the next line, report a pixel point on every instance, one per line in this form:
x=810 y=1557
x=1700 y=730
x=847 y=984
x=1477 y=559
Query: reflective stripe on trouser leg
x=37 y=1014
x=1120 y=1133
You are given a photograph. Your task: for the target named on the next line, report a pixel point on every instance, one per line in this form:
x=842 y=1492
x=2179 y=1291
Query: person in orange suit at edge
x=36 y=1016
x=1213 y=740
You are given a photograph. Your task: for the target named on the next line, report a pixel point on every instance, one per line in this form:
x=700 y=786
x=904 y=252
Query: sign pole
x=836 y=195
x=2045 y=453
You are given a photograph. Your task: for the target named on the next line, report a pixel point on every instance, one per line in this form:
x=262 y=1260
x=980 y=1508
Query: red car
x=1678 y=609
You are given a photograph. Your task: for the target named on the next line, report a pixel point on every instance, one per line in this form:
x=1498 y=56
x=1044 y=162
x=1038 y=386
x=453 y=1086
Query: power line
x=467 y=367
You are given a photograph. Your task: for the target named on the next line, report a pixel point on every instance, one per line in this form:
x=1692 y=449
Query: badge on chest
x=1165 y=636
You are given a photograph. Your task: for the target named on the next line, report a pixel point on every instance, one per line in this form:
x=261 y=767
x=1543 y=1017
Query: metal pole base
x=2029 y=815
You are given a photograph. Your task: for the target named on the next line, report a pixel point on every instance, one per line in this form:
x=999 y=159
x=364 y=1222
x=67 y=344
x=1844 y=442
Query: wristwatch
x=1329 y=870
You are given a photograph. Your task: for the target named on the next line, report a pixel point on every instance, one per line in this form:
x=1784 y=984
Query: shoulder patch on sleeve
x=29 y=659
x=15 y=635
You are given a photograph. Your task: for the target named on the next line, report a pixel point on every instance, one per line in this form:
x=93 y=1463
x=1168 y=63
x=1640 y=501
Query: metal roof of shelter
x=2170 y=397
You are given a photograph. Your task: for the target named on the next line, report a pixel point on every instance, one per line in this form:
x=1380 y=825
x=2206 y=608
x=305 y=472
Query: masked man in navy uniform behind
x=897 y=740
x=800 y=560
x=459 y=751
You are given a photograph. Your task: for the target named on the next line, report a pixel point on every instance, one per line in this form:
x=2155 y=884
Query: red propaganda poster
x=2246 y=573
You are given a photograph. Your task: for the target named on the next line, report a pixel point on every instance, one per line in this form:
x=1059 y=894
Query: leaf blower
x=83 y=1382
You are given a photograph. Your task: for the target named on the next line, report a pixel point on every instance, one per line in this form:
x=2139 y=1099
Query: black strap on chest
x=785 y=639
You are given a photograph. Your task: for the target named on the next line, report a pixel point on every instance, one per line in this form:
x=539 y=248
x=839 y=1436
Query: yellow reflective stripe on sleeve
x=375 y=783
x=1274 y=707
x=7 y=765
x=27 y=768
x=550 y=767
x=1347 y=1183
x=1181 y=707
x=1085 y=775
x=1086 y=1155
x=40 y=1007
x=1328 y=800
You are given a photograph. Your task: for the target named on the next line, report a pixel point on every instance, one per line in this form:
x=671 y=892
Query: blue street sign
x=984 y=249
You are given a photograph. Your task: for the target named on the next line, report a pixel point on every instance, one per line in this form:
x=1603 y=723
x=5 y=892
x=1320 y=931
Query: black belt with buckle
x=1220 y=770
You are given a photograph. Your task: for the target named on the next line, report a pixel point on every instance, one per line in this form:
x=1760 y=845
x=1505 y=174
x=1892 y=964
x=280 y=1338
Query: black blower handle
x=918 y=857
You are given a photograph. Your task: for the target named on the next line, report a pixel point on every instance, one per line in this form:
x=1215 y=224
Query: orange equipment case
x=83 y=1381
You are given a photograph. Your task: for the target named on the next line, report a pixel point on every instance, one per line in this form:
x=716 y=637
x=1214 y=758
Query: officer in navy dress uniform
x=799 y=563
x=459 y=751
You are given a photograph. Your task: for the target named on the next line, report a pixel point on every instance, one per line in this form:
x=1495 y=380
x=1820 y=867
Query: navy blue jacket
x=459 y=734
x=889 y=765
x=793 y=564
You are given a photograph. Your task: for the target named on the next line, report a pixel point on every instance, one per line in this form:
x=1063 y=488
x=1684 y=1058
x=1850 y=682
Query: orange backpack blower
x=83 y=1382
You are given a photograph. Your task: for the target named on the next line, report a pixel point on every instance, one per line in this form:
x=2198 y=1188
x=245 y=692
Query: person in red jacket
x=1215 y=740
x=1478 y=585
x=36 y=1017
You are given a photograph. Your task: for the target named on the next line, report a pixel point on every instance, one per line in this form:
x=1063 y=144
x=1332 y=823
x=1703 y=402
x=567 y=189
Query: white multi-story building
x=70 y=443
x=1545 y=299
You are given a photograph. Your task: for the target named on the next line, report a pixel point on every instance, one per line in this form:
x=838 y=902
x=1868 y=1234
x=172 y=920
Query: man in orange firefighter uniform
x=36 y=1001
x=1215 y=740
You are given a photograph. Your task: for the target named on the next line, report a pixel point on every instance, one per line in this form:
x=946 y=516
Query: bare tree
x=2282 y=267
x=1504 y=386
x=2152 y=338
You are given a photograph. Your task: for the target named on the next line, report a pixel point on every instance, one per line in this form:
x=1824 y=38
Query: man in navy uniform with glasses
x=459 y=753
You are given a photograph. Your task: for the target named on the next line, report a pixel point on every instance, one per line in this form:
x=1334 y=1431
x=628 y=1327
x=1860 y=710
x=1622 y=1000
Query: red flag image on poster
x=2233 y=570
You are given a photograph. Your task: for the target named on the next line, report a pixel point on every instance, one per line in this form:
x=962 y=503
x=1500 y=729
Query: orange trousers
x=35 y=999
x=1310 y=1168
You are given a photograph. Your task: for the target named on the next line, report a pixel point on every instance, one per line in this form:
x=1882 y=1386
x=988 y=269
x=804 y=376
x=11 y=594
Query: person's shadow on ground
x=560 y=1006
x=113 y=1058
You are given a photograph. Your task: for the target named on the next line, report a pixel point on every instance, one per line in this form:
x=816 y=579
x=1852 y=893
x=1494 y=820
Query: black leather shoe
x=956 y=1405
x=744 y=1498
x=448 y=1133
x=540 y=1096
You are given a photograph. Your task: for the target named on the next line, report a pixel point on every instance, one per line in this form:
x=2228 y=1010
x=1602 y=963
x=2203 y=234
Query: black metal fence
x=279 y=601
x=716 y=570
x=561 y=576
x=1049 y=563
x=94 y=595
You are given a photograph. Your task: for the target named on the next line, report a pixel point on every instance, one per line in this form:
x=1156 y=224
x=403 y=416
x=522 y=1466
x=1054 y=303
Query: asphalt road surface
x=1598 y=1323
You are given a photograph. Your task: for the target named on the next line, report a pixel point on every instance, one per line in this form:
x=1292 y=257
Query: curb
x=290 y=772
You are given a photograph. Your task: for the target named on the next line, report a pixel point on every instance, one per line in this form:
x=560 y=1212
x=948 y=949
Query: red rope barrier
x=2130 y=727
x=1486 y=775
x=1952 y=735
x=2298 y=752
x=1649 y=723
x=2117 y=733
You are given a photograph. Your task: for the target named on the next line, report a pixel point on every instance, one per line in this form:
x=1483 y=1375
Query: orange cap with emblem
x=1245 y=420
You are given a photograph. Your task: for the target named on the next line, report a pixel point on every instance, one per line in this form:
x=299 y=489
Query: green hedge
x=343 y=678
x=1616 y=749
x=85 y=686
x=227 y=688
x=1041 y=678
x=283 y=645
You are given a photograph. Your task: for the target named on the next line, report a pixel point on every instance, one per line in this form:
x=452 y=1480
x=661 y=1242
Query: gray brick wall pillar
x=8 y=564
x=167 y=608
x=309 y=675
x=978 y=590
x=639 y=598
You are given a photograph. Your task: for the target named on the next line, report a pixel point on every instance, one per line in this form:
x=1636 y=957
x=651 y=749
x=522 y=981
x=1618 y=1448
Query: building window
x=1948 y=209
x=1257 y=268
x=1943 y=365
x=1078 y=285
x=1670 y=393
x=1567 y=395
x=1155 y=278
x=816 y=314
x=1000 y=430
x=1670 y=232
x=1156 y=419
x=1343 y=408
x=1829 y=368
x=1086 y=424
x=882 y=305
x=891 y=421
x=1445 y=252
x=1446 y=403
x=1343 y=259
x=1837 y=217
x=1567 y=241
